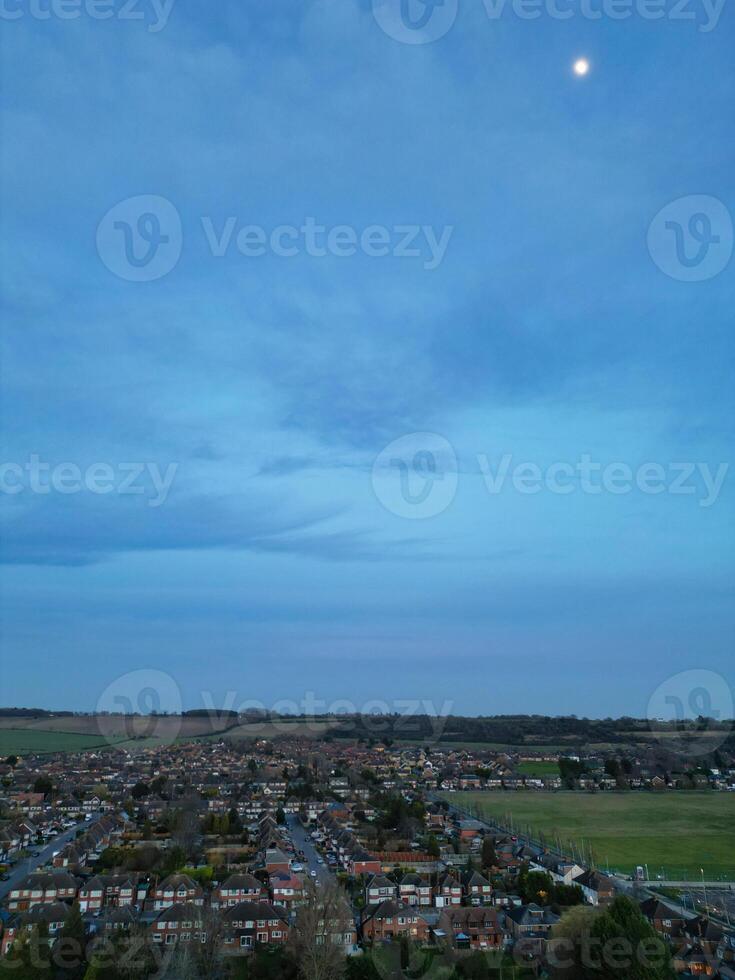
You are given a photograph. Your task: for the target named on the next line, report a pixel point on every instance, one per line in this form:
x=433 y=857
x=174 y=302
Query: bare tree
x=322 y=932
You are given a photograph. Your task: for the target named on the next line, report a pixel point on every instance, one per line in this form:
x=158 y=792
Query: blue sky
x=278 y=562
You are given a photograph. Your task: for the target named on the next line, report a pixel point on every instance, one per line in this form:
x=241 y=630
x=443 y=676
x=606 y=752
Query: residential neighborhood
x=230 y=847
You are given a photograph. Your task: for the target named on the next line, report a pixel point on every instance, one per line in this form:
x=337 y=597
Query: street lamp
x=704 y=887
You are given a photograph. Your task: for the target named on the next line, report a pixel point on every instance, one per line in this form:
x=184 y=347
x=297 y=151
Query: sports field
x=674 y=833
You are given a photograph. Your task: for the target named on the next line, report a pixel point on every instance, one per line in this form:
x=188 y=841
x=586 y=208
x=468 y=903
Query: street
x=298 y=834
x=26 y=865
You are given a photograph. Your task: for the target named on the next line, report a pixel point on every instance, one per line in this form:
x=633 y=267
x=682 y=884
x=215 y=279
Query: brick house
x=42 y=888
x=379 y=888
x=181 y=922
x=414 y=890
x=52 y=916
x=472 y=928
x=251 y=924
x=286 y=889
x=276 y=860
x=109 y=891
x=175 y=889
x=390 y=920
x=663 y=918
x=530 y=926
x=476 y=889
x=362 y=863
x=448 y=891
x=239 y=888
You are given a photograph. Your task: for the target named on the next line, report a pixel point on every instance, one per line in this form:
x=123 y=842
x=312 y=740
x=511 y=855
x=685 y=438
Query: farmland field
x=28 y=740
x=674 y=833
x=78 y=733
x=284 y=726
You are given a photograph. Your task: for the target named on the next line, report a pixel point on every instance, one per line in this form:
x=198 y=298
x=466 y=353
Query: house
x=562 y=872
x=695 y=959
x=470 y=781
x=339 y=927
x=276 y=860
x=469 y=830
x=360 y=862
x=175 y=889
x=248 y=924
x=597 y=888
x=476 y=889
x=414 y=890
x=448 y=891
x=531 y=924
x=118 y=919
x=110 y=891
x=239 y=888
x=50 y=916
x=286 y=889
x=379 y=888
x=389 y=920
x=181 y=922
x=663 y=918
x=472 y=928
x=42 y=888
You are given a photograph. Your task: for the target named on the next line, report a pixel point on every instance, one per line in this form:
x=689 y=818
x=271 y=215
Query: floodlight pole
x=704 y=887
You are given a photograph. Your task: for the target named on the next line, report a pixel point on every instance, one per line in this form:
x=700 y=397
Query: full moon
x=581 y=67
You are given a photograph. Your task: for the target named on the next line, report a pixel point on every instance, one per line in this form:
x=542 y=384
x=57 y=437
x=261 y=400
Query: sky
x=367 y=360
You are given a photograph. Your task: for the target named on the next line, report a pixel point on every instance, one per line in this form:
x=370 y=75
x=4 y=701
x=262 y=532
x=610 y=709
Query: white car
x=297 y=867
x=313 y=874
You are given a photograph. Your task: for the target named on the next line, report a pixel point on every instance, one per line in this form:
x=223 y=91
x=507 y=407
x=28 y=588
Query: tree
x=317 y=939
x=12 y=760
x=627 y=947
x=535 y=886
x=43 y=785
x=69 y=950
x=565 y=945
x=280 y=815
x=489 y=856
x=140 y=790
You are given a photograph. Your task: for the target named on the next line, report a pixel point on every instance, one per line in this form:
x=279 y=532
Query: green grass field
x=673 y=832
x=538 y=769
x=24 y=741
